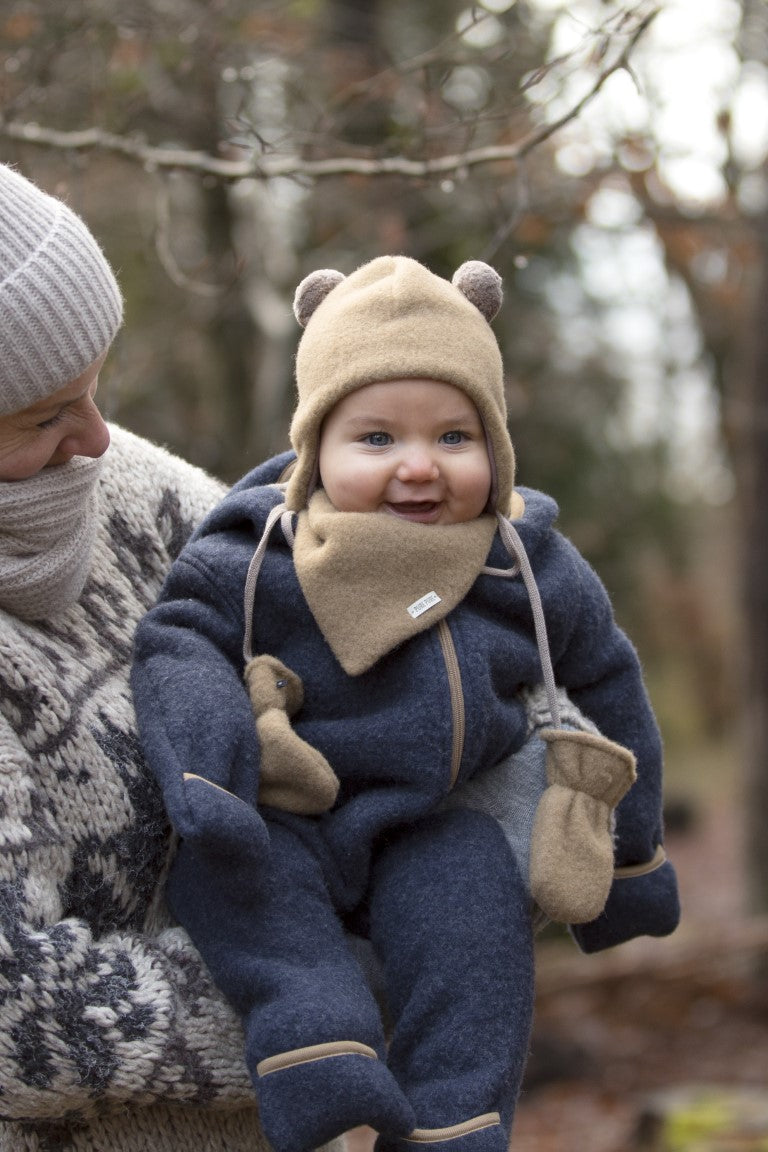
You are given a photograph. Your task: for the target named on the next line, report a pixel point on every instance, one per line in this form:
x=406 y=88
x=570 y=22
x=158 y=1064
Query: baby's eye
x=453 y=438
x=377 y=439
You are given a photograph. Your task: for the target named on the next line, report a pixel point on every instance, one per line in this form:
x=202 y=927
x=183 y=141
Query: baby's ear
x=481 y=285
x=312 y=291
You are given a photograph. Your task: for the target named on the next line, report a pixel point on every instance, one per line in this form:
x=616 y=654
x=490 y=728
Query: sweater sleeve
x=91 y=1020
x=103 y=1004
x=601 y=672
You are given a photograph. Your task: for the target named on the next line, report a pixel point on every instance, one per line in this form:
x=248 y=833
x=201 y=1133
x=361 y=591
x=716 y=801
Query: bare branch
x=167 y=258
x=272 y=166
x=507 y=227
x=620 y=64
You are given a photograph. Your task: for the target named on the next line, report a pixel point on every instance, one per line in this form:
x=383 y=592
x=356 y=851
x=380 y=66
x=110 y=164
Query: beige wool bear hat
x=393 y=319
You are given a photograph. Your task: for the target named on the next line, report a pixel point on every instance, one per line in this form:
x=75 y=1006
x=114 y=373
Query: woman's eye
x=453 y=438
x=52 y=420
x=378 y=439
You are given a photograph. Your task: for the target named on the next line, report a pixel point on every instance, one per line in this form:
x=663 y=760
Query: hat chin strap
x=314 y=480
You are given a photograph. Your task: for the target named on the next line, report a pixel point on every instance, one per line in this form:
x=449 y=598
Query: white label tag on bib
x=419 y=607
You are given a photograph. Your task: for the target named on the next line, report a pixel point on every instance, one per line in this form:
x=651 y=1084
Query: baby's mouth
x=419 y=511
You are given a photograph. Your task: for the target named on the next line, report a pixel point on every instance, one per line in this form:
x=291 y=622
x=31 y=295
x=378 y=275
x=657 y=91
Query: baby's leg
x=275 y=946
x=451 y=922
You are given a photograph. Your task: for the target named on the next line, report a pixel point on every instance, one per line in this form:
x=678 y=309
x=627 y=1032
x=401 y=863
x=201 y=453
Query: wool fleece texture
x=394 y=319
x=333 y=551
x=112 y=1034
x=266 y=893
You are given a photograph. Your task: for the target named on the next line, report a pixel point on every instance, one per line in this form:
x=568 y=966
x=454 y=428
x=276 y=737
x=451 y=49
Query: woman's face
x=53 y=430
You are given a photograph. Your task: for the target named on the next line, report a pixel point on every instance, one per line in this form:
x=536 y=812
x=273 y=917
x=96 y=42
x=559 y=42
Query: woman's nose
x=91 y=439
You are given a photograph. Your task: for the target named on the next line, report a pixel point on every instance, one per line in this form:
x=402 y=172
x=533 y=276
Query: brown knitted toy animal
x=294 y=775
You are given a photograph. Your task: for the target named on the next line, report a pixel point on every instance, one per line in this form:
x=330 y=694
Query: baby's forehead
x=404 y=397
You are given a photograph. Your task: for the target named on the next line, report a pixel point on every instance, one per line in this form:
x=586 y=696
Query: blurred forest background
x=608 y=159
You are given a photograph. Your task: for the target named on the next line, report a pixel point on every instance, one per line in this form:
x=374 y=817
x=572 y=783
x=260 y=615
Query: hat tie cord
x=514 y=546
x=279 y=512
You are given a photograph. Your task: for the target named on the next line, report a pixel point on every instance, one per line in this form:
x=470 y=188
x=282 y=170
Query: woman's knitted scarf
x=47 y=529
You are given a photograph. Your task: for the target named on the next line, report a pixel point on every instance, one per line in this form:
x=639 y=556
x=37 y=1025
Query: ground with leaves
x=616 y=1035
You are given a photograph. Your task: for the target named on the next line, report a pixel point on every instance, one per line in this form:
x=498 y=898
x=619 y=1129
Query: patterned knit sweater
x=112 y=1035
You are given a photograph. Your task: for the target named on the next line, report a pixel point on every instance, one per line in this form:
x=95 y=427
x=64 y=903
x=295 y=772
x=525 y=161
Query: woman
x=111 y=1033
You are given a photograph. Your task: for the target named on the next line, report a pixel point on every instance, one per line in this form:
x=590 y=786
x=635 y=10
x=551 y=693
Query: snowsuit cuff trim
x=629 y=870
x=313 y=1052
x=435 y=1135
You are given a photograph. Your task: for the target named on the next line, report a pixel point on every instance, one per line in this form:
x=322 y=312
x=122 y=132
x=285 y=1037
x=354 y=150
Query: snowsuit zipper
x=457 y=697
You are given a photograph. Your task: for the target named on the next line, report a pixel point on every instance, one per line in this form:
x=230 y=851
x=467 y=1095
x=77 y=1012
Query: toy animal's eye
x=281 y=683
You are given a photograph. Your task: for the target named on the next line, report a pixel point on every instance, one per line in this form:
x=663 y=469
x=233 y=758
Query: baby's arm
x=193 y=711
x=601 y=672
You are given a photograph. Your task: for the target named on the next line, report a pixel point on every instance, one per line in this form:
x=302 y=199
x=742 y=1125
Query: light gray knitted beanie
x=60 y=306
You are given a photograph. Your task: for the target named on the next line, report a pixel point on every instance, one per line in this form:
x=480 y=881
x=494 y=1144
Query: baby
x=330 y=691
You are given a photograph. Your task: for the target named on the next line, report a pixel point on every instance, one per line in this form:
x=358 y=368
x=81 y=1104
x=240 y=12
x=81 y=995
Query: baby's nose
x=418 y=464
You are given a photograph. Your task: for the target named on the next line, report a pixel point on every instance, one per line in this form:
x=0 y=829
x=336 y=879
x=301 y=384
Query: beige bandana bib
x=372 y=580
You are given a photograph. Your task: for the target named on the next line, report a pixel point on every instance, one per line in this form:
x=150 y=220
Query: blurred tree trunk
x=749 y=428
x=351 y=22
x=233 y=335
x=231 y=328
x=752 y=476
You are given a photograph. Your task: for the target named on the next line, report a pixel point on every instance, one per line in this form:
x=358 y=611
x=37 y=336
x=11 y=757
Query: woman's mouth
x=419 y=511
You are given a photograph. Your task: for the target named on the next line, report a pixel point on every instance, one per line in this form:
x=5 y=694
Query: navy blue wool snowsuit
x=266 y=895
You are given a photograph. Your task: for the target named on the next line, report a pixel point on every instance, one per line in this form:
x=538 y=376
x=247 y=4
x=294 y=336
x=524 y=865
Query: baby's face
x=412 y=448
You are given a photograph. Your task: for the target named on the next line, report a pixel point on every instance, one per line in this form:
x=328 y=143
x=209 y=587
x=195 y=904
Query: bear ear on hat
x=312 y=291
x=481 y=285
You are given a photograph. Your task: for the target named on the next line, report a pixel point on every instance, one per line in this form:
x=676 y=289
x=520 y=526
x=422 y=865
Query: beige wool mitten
x=571 y=867
x=294 y=776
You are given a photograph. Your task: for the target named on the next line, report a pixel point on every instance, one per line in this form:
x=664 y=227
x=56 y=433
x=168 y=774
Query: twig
x=167 y=258
x=274 y=166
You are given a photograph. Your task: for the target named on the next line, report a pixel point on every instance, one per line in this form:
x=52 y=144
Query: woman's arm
x=89 y=1020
